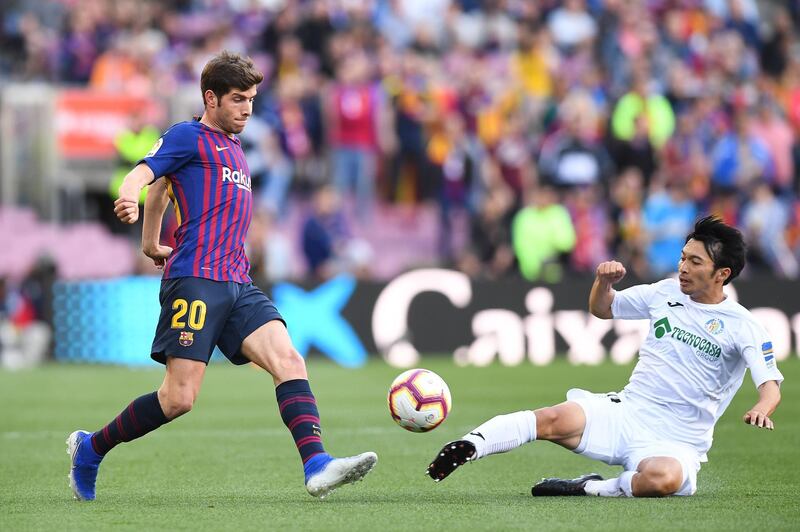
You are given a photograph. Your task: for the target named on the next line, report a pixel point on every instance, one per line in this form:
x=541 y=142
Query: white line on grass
x=207 y=433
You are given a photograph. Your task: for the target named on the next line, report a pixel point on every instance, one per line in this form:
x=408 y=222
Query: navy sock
x=299 y=413
x=142 y=416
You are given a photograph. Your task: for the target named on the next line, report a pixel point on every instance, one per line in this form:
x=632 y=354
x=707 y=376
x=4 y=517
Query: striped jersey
x=209 y=184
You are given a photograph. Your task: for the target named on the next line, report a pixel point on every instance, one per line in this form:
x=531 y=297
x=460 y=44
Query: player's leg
x=143 y=415
x=653 y=468
x=658 y=476
x=562 y=424
x=191 y=346
x=266 y=343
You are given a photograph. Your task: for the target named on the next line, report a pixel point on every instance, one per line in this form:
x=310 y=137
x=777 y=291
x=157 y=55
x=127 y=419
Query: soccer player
x=660 y=426
x=207 y=297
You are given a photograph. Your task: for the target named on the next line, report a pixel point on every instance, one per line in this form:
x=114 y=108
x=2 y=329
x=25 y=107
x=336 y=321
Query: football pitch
x=230 y=464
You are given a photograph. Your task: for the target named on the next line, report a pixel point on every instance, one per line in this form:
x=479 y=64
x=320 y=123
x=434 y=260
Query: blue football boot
x=85 y=463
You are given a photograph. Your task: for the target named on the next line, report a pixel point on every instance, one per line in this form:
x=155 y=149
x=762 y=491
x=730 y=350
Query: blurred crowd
x=549 y=135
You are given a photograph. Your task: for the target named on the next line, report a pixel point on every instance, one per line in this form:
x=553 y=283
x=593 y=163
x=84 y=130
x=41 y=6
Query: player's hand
x=758 y=419
x=127 y=209
x=159 y=254
x=611 y=271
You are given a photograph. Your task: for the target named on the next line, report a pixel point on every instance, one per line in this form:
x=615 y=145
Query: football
x=419 y=400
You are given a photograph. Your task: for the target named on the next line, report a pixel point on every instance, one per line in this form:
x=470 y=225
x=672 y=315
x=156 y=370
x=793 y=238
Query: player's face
x=233 y=110
x=698 y=277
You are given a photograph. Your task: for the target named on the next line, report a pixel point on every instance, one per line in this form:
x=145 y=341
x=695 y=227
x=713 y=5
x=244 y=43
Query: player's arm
x=126 y=207
x=154 y=206
x=769 y=395
x=602 y=294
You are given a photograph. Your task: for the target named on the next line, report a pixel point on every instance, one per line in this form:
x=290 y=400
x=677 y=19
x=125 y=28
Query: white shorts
x=617 y=434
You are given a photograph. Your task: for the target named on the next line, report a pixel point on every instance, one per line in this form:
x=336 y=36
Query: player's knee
x=547 y=420
x=177 y=402
x=288 y=364
x=659 y=480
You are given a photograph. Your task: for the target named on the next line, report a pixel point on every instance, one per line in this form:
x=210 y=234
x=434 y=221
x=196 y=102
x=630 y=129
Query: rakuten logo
x=237 y=177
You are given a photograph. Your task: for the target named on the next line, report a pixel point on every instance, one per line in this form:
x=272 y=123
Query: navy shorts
x=197 y=314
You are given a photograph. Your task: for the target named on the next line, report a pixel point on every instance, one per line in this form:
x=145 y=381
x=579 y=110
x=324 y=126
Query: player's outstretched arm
x=154 y=206
x=126 y=207
x=602 y=293
x=769 y=395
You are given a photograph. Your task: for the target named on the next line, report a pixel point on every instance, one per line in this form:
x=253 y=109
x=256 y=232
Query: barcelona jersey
x=209 y=184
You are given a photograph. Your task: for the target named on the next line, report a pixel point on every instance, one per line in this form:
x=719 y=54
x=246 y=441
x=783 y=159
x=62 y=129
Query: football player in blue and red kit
x=207 y=297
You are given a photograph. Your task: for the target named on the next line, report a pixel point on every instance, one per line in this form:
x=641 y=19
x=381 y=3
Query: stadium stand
x=626 y=107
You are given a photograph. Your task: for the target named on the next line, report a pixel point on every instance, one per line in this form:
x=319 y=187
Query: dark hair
x=723 y=243
x=226 y=71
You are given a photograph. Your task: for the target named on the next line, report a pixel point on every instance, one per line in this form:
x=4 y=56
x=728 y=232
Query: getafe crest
x=186 y=338
x=715 y=326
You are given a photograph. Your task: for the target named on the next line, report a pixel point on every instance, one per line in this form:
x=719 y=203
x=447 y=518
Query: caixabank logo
x=703 y=347
x=314 y=319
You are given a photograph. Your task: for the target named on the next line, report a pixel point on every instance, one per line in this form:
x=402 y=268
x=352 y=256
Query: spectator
x=627 y=196
x=328 y=245
x=660 y=86
x=571 y=25
x=572 y=155
x=592 y=229
x=542 y=233
x=764 y=225
x=270 y=169
x=132 y=144
x=513 y=156
x=489 y=254
x=357 y=117
x=637 y=152
x=776 y=51
x=535 y=63
x=269 y=250
x=740 y=158
x=684 y=156
x=456 y=164
x=24 y=337
x=640 y=101
x=771 y=128
x=668 y=217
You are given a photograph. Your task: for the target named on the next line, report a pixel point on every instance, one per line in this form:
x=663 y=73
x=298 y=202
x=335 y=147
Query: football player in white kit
x=660 y=426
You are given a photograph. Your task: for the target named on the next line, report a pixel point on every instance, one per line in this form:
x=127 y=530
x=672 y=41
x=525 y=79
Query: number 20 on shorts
x=196 y=310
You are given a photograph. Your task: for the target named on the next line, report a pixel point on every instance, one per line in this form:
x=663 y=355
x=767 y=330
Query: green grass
x=230 y=464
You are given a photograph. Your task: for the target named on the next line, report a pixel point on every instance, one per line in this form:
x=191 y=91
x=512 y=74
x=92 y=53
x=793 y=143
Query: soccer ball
x=419 y=400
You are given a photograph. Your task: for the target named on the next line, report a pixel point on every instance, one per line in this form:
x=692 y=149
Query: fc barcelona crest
x=186 y=338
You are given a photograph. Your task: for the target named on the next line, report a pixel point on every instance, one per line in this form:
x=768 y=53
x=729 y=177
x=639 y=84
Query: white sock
x=613 y=487
x=503 y=433
x=625 y=481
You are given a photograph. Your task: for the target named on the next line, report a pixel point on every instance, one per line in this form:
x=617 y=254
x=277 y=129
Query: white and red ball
x=419 y=400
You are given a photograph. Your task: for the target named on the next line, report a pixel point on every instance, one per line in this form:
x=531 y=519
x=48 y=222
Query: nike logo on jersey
x=676 y=304
x=220 y=148
x=478 y=434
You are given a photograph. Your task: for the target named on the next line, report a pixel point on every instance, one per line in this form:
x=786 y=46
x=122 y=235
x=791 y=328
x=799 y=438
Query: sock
x=140 y=417
x=625 y=480
x=299 y=413
x=503 y=433
x=613 y=487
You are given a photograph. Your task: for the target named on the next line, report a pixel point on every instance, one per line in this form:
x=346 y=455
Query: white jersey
x=693 y=359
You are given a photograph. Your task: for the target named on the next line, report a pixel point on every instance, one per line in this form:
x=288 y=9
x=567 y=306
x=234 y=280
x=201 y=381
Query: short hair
x=226 y=71
x=724 y=244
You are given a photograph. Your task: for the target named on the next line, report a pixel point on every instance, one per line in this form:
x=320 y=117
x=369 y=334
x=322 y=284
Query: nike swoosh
x=221 y=148
x=674 y=304
x=478 y=434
